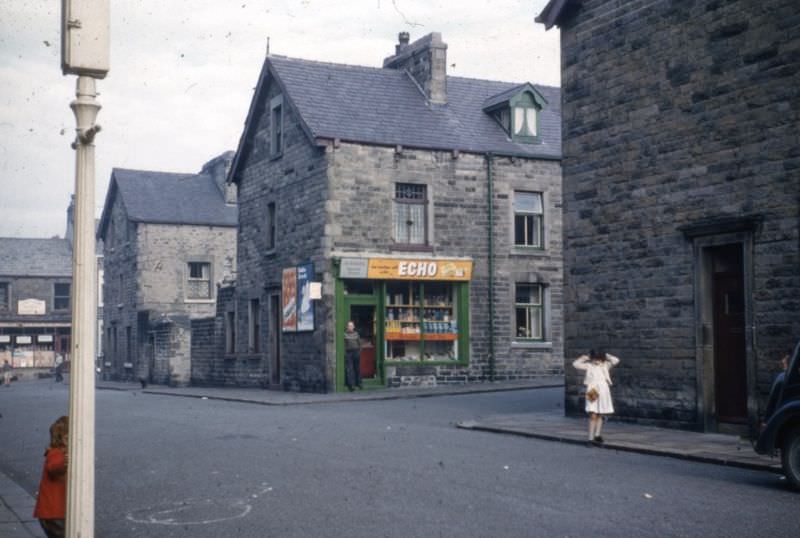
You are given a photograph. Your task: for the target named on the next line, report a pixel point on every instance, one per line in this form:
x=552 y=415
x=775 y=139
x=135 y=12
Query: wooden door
x=275 y=338
x=730 y=363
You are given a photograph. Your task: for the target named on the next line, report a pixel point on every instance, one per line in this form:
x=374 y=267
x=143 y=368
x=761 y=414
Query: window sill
x=531 y=344
x=270 y=252
x=411 y=248
x=519 y=250
x=199 y=301
x=458 y=362
x=275 y=156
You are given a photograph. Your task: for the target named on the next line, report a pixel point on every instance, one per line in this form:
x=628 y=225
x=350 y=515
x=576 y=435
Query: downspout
x=490 y=180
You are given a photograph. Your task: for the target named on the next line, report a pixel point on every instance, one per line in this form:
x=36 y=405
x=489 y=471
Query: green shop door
x=364 y=313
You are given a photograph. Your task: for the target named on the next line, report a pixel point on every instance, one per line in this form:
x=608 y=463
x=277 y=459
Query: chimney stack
x=69 y=233
x=403 y=39
x=426 y=61
x=218 y=169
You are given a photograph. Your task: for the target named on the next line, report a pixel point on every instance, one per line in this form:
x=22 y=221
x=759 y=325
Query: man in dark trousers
x=352 y=354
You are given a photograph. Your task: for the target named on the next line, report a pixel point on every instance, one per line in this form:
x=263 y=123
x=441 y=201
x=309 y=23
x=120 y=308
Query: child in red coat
x=51 y=505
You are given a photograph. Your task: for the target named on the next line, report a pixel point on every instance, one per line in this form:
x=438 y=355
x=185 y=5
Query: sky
x=183 y=73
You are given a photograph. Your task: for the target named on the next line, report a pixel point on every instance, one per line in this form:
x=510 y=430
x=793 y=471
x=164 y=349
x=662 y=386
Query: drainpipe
x=490 y=180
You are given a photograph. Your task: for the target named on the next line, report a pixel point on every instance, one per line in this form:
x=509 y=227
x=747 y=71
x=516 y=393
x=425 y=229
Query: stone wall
x=676 y=113
x=39 y=288
x=360 y=222
x=120 y=266
x=145 y=287
x=296 y=183
x=212 y=365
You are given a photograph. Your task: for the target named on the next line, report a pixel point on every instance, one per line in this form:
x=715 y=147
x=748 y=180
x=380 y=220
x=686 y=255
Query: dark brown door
x=275 y=338
x=730 y=372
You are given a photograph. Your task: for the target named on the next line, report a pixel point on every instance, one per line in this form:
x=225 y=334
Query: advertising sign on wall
x=305 y=307
x=31 y=307
x=421 y=269
x=289 y=300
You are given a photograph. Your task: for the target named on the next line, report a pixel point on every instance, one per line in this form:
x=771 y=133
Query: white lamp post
x=84 y=52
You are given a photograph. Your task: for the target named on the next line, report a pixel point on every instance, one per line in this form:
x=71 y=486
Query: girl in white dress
x=597 y=365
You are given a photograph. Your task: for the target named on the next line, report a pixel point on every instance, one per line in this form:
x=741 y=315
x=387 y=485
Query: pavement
x=16 y=511
x=279 y=397
x=714 y=448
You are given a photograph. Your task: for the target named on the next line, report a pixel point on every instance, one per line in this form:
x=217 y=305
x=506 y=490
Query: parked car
x=782 y=427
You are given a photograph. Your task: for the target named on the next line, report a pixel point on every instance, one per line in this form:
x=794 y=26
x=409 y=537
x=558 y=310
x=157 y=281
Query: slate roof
x=385 y=106
x=169 y=198
x=35 y=257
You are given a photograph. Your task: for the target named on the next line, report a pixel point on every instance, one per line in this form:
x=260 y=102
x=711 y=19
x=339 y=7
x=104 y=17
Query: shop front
x=407 y=311
x=34 y=346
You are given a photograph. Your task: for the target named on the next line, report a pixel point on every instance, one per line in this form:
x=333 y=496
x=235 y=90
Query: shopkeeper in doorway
x=352 y=356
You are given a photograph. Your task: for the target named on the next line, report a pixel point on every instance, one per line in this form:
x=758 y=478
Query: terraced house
x=169 y=239
x=424 y=207
x=682 y=201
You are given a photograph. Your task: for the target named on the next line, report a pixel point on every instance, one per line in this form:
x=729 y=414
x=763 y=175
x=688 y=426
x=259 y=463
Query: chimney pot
x=402 y=38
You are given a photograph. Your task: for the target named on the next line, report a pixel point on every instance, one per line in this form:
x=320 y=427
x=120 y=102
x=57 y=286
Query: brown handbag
x=592 y=394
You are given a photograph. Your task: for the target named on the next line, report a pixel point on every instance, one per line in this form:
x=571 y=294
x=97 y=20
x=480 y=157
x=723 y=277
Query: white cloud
x=182 y=74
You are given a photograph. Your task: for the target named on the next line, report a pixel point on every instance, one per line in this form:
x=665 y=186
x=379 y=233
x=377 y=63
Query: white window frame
x=190 y=278
x=542 y=221
x=543 y=307
x=427 y=220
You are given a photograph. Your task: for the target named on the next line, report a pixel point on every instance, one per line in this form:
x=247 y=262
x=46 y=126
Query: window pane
x=530 y=117
x=528 y=202
x=535 y=316
x=523 y=294
x=416 y=231
x=519 y=119
x=271 y=225
x=62 y=289
x=277 y=126
x=529 y=294
x=522 y=322
x=536 y=231
x=519 y=229
x=358 y=287
x=400 y=219
x=408 y=191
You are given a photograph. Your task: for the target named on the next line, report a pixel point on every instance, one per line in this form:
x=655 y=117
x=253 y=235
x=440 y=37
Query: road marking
x=187 y=512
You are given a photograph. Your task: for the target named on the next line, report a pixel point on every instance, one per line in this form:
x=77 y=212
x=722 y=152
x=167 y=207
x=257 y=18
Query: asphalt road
x=201 y=468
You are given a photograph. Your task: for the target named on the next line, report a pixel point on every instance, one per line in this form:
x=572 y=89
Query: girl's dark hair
x=597 y=354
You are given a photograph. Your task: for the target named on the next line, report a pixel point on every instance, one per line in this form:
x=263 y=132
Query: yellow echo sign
x=419 y=269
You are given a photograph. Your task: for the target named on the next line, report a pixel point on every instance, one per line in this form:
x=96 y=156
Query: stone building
x=427 y=206
x=169 y=239
x=681 y=201
x=35 y=295
x=35 y=309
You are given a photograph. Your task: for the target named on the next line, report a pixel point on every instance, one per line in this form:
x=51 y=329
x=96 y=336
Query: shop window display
x=421 y=322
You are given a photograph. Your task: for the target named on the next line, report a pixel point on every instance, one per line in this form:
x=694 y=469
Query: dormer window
x=526 y=120
x=503 y=117
x=517 y=111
